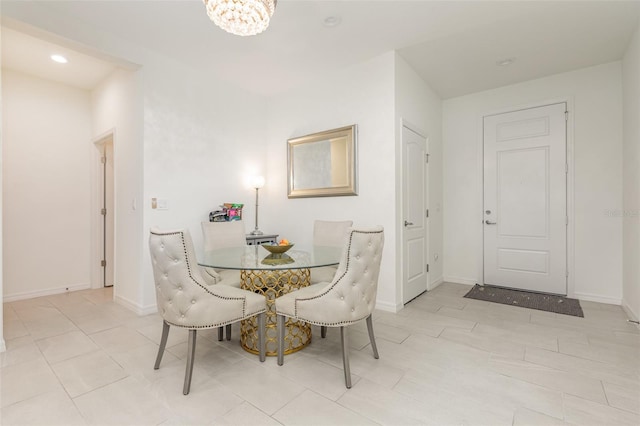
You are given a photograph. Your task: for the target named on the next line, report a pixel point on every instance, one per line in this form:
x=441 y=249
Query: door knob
x=406 y=223
x=490 y=223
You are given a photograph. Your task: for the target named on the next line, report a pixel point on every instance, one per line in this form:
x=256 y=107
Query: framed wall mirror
x=323 y=164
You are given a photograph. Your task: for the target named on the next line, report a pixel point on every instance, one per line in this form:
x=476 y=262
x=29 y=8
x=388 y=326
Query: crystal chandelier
x=241 y=17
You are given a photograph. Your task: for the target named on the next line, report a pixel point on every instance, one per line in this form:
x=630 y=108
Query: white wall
x=419 y=105
x=46 y=186
x=631 y=179
x=195 y=143
x=362 y=95
x=595 y=132
x=203 y=140
x=117 y=107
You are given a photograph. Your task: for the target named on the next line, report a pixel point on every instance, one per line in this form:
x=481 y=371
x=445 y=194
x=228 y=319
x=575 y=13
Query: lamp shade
x=257 y=182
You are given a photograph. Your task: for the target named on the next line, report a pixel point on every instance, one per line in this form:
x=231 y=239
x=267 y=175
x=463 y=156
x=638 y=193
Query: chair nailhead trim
x=346 y=269
x=245 y=315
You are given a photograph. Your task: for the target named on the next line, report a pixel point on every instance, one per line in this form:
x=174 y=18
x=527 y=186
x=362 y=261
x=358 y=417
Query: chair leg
x=220 y=334
x=228 y=327
x=261 y=332
x=323 y=331
x=372 y=338
x=344 y=340
x=190 y=356
x=280 y=326
x=163 y=344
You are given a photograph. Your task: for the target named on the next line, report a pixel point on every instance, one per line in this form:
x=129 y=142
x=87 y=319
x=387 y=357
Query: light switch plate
x=163 y=204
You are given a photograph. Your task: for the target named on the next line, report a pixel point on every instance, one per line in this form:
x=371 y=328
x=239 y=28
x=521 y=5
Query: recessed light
x=332 y=21
x=505 y=62
x=59 y=59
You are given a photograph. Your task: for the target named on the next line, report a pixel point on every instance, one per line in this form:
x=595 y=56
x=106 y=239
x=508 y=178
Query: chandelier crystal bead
x=241 y=17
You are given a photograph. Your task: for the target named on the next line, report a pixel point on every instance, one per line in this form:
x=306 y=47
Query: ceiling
x=453 y=45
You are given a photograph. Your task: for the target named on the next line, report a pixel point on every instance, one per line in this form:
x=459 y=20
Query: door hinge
x=566 y=116
x=103 y=160
x=426 y=158
x=427 y=212
x=103 y=212
x=103 y=263
x=427 y=267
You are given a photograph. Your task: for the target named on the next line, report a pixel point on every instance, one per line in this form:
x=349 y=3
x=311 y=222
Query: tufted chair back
x=348 y=298
x=218 y=235
x=351 y=296
x=330 y=233
x=183 y=298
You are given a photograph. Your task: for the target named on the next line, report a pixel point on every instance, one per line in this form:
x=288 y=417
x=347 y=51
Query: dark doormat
x=542 y=302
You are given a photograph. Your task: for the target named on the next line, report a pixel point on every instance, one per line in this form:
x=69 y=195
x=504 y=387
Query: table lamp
x=257 y=182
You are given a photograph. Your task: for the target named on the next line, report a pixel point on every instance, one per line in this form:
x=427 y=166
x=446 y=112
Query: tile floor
x=79 y=358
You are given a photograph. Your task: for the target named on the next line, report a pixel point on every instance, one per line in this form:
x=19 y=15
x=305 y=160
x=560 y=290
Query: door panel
x=109 y=229
x=414 y=193
x=525 y=199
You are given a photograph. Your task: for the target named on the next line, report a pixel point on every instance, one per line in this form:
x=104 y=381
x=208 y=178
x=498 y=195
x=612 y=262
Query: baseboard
x=3 y=346
x=596 y=298
x=46 y=292
x=132 y=306
x=458 y=280
x=435 y=283
x=630 y=312
x=388 y=307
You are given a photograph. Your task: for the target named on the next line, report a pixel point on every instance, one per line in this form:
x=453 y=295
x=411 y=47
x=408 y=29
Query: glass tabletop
x=257 y=257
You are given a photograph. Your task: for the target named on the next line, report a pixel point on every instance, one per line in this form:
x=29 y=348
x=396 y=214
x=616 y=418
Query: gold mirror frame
x=323 y=164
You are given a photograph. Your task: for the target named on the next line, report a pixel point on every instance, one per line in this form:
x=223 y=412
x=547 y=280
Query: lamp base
x=256 y=232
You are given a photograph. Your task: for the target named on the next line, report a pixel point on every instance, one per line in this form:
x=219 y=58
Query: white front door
x=414 y=195
x=525 y=201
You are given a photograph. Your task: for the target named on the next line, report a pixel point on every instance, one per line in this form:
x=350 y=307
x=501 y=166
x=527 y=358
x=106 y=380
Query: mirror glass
x=323 y=164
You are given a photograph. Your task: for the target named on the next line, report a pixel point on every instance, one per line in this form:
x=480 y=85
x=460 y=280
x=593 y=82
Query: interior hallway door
x=108 y=214
x=525 y=199
x=414 y=196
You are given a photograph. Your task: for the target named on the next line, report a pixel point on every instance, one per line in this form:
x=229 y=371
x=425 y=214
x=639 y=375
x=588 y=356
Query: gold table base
x=273 y=283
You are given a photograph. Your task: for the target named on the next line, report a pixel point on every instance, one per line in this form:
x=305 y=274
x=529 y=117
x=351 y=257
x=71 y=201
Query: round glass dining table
x=272 y=275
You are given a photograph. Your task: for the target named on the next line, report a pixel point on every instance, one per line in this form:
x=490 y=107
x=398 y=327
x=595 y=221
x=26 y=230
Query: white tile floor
x=79 y=358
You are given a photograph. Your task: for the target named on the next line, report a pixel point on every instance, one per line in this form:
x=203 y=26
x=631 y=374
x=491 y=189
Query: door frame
x=97 y=188
x=399 y=225
x=570 y=182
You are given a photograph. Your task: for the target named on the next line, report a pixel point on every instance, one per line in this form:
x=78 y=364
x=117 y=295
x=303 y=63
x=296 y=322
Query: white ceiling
x=453 y=45
x=31 y=55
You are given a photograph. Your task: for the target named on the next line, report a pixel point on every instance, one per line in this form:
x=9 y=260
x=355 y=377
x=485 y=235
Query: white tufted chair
x=185 y=300
x=348 y=298
x=219 y=235
x=331 y=234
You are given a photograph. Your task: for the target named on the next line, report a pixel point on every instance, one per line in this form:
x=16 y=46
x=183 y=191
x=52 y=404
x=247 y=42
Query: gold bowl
x=277 y=249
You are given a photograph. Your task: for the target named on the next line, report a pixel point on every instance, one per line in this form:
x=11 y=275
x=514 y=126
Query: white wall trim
x=388 y=307
x=570 y=182
x=460 y=280
x=597 y=298
x=630 y=313
x=138 y=309
x=46 y=292
x=3 y=346
x=435 y=283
